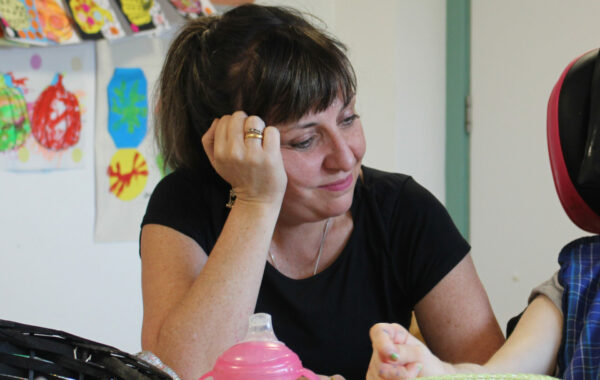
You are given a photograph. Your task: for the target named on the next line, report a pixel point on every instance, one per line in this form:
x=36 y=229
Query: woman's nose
x=340 y=155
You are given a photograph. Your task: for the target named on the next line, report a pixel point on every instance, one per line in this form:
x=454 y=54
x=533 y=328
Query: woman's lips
x=339 y=185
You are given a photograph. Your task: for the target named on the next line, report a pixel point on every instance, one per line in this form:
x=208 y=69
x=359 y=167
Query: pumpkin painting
x=14 y=14
x=56 y=120
x=127 y=173
x=89 y=15
x=55 y=21
x=14 y=121
x=188 y=6
x=137 y=11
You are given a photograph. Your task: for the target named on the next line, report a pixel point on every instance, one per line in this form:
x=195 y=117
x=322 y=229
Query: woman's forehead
x=311 y=118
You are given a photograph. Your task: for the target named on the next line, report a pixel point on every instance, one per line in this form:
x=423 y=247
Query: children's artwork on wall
x=127 y=107
x=4 y=41
x=46 y=106
x=143 y=15
x=127 y=174
x=21 y=22
x=126 y=161
x=127 y=126
x=193 y=8
x=55 y=21
x=56 y=119
x=95 y=19
x=231 y=3
x=14 y=120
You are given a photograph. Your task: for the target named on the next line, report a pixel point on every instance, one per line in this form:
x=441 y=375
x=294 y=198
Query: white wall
x=519 y=49
x=398 y=52
x=53 y=274
x=397 y=49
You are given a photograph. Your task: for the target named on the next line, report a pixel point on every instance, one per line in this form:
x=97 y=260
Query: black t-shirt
x=403 y=243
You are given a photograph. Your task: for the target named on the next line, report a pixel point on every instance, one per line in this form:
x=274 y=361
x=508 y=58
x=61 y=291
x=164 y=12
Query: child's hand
x=399 y=355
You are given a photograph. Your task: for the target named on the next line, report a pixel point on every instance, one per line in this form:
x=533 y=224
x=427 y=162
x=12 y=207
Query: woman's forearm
x=213 y=313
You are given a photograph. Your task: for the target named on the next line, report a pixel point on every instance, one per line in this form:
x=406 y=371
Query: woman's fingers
x=394 y=343
x=221 y=129
x=235 y=127
x=247 y=155
x=390 y=371
x=271 y=141
x=208 y=142
x=396 y=353
x=385 y=338
x=334 y=377
x=399 y=355
x=379 y=370
x=230 y=150
x=253 y=132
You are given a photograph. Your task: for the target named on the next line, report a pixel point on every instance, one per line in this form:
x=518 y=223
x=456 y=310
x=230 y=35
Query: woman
x=325 y=245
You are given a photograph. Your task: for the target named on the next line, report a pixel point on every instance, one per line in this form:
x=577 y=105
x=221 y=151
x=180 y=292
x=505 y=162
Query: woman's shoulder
x=174 y=180
x=377 y=181
x=190 y=203
x=372 y=176
x=184 y=192
x=399 y=197
x=387 y=186
x=185 y=181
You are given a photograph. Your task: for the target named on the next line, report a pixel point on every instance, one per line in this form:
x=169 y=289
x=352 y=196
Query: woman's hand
x=399 y=355
x=334 y=377
x=252 y=166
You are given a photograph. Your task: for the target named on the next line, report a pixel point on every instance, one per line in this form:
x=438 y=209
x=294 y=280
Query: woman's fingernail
x=394 y=356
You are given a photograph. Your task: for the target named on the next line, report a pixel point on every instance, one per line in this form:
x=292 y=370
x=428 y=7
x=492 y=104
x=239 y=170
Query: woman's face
x=322 y=154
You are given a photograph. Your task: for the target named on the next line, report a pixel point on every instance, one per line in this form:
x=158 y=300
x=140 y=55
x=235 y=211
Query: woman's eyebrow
x=305 y=125
x=301 y=125
x=309 y=124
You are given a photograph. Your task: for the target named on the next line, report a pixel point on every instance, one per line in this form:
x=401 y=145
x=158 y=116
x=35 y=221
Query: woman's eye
x=349 y=120
x=303 y=144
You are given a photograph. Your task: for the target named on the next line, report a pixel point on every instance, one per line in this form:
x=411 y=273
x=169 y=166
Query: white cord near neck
x=321 y=245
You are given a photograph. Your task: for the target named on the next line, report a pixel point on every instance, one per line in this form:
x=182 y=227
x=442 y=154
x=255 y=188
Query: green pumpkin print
x=14 y=121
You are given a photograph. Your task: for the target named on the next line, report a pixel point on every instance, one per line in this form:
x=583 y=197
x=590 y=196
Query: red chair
x=574 y=147
x=574 y=140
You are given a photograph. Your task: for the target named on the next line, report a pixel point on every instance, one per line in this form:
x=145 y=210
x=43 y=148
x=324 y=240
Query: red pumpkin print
x=56 y=121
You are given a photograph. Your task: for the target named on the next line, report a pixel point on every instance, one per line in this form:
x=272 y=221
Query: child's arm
x=533 y=345
x=531 y=348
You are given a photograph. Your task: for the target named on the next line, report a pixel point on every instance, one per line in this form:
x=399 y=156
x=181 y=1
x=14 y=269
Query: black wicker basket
x=31 y=352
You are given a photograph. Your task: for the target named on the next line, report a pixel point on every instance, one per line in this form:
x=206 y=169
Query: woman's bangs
x=304 y=81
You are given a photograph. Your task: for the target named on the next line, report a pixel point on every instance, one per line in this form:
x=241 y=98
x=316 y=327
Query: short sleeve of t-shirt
x=440 y=246
x=424 y=242
x=183 y=202
x=552 y=289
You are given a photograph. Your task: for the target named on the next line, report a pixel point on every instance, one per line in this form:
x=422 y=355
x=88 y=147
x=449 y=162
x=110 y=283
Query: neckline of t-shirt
x=342 y=256
x=321 y=274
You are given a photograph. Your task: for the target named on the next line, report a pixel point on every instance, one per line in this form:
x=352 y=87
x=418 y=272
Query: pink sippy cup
x=259 y=356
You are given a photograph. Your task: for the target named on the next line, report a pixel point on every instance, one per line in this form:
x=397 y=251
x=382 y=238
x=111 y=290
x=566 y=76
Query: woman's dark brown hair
x=266 y=61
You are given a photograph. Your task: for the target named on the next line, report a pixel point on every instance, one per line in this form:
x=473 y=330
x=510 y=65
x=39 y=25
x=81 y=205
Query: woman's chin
x=339 y=206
